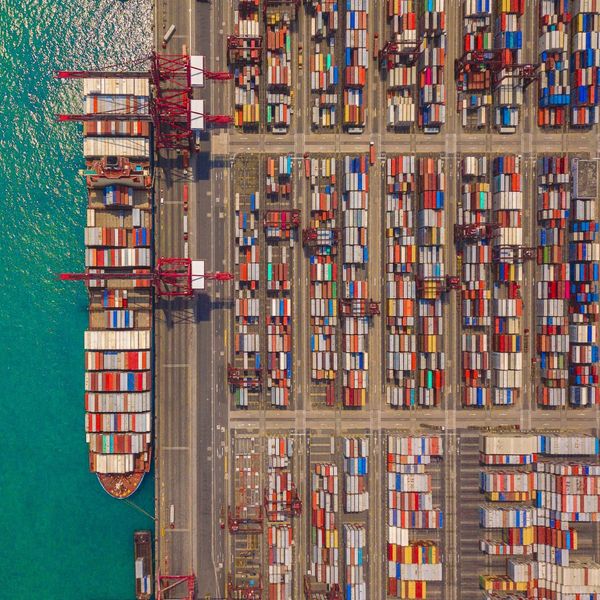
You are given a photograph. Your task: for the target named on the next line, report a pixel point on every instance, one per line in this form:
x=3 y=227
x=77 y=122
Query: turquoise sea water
x=61 y=536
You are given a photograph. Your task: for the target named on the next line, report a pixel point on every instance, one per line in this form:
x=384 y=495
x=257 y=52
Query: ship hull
x=121 y=486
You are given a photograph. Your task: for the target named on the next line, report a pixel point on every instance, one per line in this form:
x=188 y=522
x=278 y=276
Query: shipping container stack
x=507 y=303
x=247 y=65
x=401 y=293
x=324 y=70
x=414 y=562
x=118 y=238
x=401 y=68
x=585 y=63
x=508 y=94
x=431 y=238
x=356 y=506
x=552 y=489
x=356 y=63
x=584 y=257
x=247 y=327
x=280 y=242
x=476 y=293
x=325 y=549
x=245 y=516
x=324 y=275
x=552 y=286
x=554 y=90
x=279 y=66
x=279 y=510
x=355 y=332
x=474 y=86
x=432 y=61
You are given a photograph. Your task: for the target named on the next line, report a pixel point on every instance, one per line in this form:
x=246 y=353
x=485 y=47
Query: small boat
x=142 y=541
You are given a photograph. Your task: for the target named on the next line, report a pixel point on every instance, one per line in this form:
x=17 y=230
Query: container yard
x=396 y=396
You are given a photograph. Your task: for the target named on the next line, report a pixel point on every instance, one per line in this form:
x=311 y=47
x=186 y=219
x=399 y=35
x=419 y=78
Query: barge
x=142 y=543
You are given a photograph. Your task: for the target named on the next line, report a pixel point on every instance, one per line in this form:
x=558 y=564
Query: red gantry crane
x=170 y=103
x=174 y=583
x=172 y=277
x=358 y=307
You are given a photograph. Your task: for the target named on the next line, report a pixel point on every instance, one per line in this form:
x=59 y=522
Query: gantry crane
x=475 y=232
x=245 y=591
x=242 y=49
x=238 y=378
x=289 y=508
x=172 y=277
x=166 y=583
x=495 y=60
x=316 y=236
x=313 y=590
x=431 y=288
x=513 y=254
x=358 y=307
x=252 y=522
x=267 y=4
x=169 y=106
x=407 y=51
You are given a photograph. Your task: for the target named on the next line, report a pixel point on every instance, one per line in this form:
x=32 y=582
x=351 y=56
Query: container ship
x=118 y=247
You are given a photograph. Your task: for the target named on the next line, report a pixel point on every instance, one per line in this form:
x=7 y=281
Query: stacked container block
x=476 y=293
x=401 y=256
x=356 y=63
x=412 y=560
x=247 y=65
x=508 y=94
x=279 y=67
x=323 y=274
x=400 y=68
x=355 y=542
x=280 y=530
x=247 y=303
x=356 y=475
x=507 y=303
x=585 y=63
x=552 y=286
x=474 y=85
x=537 y=534
x=431 y=238
x=432 y=60
x=355 y=332
x=280 y=244
x=553 y=85
x=324 y=561
x=117 y=342
x=584 y=255
x=324 y=70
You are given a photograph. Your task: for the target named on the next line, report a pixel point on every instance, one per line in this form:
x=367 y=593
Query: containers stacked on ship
x=476 y=252
x=280 y=236
x=118 y=239
x=246 y=64
x=508 y=92
x=247 y=326
x=356 y=507
x=324 y=70
x=585 y=63
x=554 y=88
x=431 y=238
x=245 y=520
x=507 y=303
x=474 y=86
x=584 y=254
x=414 y=557
x=278 y=20
x=400 y=284
x=356 y=63
x=324 y=277
x=399 y=63
x=355 y=332
x=552 y=287
x=537 y=533
x=280 y=507
x=432 y=60
x=324 y=533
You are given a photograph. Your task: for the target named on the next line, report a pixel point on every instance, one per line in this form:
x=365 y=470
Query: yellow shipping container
x=408 y=590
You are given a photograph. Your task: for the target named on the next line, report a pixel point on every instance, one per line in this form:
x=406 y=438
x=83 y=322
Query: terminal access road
x=194 y=420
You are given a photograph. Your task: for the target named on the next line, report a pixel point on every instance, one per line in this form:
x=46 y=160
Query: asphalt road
x=195 y=423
